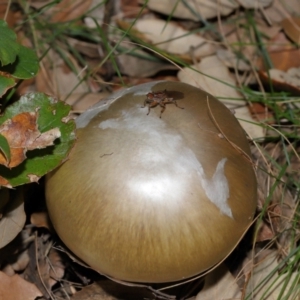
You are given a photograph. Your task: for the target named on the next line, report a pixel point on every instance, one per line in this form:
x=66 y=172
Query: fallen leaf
x=256 y=4
x=56 y=78
x=13 y=218
x=170 y=37
x=282 y=59
x=22 y=135
x=16 y=288
x=231 y=60
x=214 y=78
x=291 y=27
x=67 y=10
x=288 y=81
x=219 y=284
x=266 y=284
x=81 y=102
x=196 y=10
x=21 y=262
x=57 y=267
x=279 y=10
x=138 y=63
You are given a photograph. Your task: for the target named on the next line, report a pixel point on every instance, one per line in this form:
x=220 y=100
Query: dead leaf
x=138 y=63
x=4 y=182
x=171 y=38
x=264 y=285
x=67 y=10
x=279 y=10
x=57 y=267
x=81 y=102
x=22 y=135
x=219 y=285
x=282 y=60
x=291 y=27
x=255 y=4
x=16 y=288
x=219 y=83
x=13 y=218
x=231 y=60
x=196 y=10
x=283 y=81
x=21 y=262
x=56 y=78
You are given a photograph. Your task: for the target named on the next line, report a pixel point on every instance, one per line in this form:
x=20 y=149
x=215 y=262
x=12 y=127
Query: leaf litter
x=224 y=54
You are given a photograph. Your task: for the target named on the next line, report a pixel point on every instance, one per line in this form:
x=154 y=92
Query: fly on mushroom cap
x=150 y=199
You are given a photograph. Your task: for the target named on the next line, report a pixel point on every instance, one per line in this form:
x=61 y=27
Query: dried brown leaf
x=291 y=27
x=22 y=135
x=16 y=288
x=67 y=10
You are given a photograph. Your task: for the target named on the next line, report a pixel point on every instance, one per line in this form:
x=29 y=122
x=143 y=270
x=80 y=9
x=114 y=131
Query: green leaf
x=4 y=147
x=9 y=48
x=26 y=65
x=40 y=161
x=6 y=82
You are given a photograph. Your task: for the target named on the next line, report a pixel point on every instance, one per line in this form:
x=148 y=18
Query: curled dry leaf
x=22 y=134
x=195 y=10
x=169 y=37
x=13 y=218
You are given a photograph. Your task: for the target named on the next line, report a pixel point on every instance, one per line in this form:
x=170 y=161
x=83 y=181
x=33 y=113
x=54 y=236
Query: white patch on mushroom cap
x=84 y=119
x=163 y=151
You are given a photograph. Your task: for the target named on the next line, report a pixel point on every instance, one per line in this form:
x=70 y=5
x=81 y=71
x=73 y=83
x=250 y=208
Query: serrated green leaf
x=41 y=161
x=6 y=82
x=9 y=48
x=26 y=65
x=4 y=147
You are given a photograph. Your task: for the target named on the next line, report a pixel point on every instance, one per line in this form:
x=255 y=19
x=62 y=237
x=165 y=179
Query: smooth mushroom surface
x=155 y=197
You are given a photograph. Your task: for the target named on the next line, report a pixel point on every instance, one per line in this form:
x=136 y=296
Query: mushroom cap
x=150 y=199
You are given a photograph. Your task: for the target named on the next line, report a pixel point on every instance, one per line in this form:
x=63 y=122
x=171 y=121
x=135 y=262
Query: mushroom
x=154 y=191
